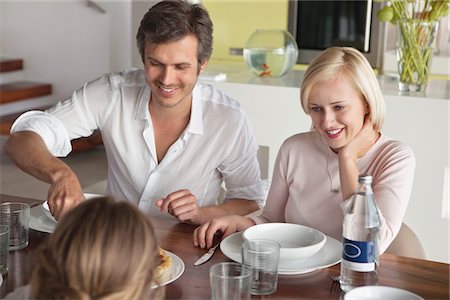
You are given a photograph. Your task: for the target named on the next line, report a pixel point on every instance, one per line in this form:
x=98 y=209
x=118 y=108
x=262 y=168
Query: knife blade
x=36 y=203
x=205 y=257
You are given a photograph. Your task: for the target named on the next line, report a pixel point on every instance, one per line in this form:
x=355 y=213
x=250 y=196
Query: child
x=102 y=249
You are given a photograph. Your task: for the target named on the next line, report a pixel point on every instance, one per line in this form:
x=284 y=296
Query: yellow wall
x=234 y=21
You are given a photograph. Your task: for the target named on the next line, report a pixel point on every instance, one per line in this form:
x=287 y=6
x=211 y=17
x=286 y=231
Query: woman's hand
x=204 y=235
x=348 y=155
x=362 y=142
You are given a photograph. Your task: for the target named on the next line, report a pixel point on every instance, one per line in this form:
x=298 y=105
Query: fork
x=335 y=289
x=335 y=278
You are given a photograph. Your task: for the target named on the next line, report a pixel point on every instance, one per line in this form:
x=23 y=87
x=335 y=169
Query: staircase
x=19 y=90
x=26 y=91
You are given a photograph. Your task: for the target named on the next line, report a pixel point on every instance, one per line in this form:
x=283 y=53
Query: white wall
x=65 y=43
x=423 y=124
x=122 y=33
x=138 y=10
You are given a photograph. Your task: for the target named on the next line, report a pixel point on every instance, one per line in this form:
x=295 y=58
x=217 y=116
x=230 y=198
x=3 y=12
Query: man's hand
x=182 y=205
x=29 y=152
x=64 y=194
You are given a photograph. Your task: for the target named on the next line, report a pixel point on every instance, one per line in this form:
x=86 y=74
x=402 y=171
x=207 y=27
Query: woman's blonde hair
x=348 y=63
x=102 y=249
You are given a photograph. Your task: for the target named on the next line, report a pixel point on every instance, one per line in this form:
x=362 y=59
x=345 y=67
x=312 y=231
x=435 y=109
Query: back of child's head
x=102 y=249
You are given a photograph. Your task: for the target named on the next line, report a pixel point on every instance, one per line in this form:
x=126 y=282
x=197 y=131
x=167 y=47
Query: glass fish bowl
x=270 y=53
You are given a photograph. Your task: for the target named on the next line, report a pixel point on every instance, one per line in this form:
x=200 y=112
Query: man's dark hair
x=169 y=21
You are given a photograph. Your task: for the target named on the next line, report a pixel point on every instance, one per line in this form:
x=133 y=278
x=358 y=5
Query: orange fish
x=267 y=72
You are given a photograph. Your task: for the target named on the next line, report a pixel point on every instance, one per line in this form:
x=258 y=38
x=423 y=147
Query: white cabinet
x=421 y=121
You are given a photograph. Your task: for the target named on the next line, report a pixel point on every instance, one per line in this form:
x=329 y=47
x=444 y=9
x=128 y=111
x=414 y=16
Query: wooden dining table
x=425 y=278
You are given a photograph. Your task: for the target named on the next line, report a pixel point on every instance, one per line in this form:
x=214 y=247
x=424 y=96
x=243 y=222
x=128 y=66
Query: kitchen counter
x=238 y=73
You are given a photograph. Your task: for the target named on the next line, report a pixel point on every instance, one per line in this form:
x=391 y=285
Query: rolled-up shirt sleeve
x=48 y=127
x=75 y=117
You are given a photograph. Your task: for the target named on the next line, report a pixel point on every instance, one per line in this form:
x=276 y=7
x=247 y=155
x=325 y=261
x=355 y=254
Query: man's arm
x=183 y=205
x=240 y=207
x=29 y=152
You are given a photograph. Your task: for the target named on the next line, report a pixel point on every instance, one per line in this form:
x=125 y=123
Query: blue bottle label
x=359 y=256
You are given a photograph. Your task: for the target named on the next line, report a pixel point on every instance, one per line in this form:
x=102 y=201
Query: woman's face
x=337 y=111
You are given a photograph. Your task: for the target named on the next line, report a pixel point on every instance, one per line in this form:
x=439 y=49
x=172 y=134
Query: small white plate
x=41 y=218
x=174 y=272
x=49 y=214
x=380 y=293
x=329 y=255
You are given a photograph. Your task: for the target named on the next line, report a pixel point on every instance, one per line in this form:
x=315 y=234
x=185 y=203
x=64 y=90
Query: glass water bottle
x=361 y=228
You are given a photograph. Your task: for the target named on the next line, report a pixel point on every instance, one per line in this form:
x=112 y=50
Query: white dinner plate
x=329 y=255
x=175 y=270
x=40 y=220
x=380 y=293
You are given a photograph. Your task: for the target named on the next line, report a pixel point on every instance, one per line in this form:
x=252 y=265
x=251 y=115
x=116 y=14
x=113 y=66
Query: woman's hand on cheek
x=362 y=142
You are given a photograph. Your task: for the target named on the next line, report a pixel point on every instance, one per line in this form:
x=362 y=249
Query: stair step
x=6 y=121
x=11 y=64
x=5 y=125
x=19 y=90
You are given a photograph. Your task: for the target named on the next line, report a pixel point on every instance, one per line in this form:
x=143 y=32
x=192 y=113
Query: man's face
x=172 y=70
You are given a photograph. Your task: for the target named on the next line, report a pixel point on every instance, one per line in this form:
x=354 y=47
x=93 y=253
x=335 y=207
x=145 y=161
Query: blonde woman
x=317 y=171
x=102 y=249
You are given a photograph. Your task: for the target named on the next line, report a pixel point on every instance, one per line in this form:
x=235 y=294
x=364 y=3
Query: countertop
x=238 y=73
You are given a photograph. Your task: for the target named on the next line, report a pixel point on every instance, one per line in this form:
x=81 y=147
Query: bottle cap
x=365 y=178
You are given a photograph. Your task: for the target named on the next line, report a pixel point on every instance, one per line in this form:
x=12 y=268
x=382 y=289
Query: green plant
x=430 y=10
x=417 y=26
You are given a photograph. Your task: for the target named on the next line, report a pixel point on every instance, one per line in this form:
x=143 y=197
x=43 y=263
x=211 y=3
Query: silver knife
x=205 y=257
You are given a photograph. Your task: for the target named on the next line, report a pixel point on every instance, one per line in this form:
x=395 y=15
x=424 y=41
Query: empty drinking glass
x=262 y=256
x=16 y=216
x=230 y=281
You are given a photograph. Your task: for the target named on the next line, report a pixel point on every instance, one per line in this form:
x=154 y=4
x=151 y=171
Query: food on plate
x=165 y=261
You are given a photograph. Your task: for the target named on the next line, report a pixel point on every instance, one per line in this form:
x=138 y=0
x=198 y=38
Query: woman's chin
x=334 y=146
x=335 y=150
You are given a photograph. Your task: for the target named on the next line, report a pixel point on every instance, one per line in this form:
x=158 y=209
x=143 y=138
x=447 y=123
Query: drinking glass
x=16 y=216
x=262 y=256
x=230 y=281
x=4 y=249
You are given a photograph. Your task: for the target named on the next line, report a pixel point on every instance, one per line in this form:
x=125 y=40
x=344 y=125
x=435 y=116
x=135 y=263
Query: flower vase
x=416 y=40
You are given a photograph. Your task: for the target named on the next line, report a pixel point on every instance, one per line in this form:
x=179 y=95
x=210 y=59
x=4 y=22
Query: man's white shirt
x=216 y=147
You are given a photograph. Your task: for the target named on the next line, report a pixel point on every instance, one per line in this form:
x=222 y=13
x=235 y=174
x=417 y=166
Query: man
x=171 y=142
